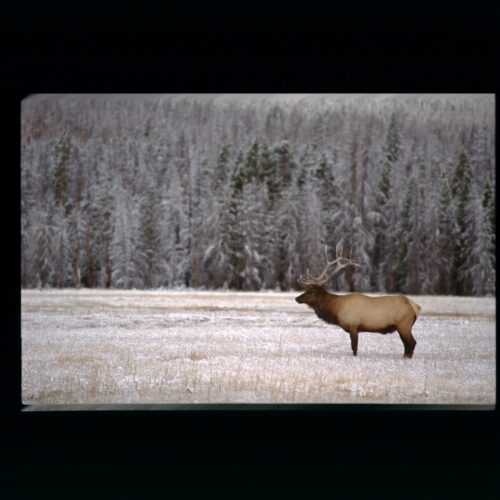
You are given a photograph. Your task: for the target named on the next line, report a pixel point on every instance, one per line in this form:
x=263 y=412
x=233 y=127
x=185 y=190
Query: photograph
x=257 y=249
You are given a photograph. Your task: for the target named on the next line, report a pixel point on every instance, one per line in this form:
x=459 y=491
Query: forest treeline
x=147 y=193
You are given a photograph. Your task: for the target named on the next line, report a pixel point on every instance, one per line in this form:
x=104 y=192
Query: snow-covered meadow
x=145 y=347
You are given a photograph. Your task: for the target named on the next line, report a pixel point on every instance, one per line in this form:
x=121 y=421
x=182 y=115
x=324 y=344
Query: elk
x=355 y=312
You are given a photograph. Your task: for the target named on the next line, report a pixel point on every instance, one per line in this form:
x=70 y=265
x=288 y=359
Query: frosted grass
x=146 y=347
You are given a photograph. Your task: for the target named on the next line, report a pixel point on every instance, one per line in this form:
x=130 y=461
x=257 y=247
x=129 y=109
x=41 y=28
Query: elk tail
x=415 y=307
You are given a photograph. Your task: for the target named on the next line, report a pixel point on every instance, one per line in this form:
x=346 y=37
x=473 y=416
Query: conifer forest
x=243 y=192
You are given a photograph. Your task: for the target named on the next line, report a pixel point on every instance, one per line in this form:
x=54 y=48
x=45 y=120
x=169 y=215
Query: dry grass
x=99 y=347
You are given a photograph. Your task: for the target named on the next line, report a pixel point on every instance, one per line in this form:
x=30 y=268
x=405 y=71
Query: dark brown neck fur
x=323 y=307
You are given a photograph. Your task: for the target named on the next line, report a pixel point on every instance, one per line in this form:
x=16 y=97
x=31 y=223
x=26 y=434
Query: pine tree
x=222 y=167
x=285 y=164
x=393 y=142
x=204 y=214
x=252 y=226
x=481 y=270
x=44 y=268
x=404 y=238
x=421 y=240
x=252 y=162
x=233 y=224
x=269 y=174
x=310 y=225
x=362 y=243
x=174 y=234
x=148 y=241
x=61 y=252
x=123 y=265
x=384 y=186
x=287 y=259
x=382 y=226
x=104 y=227
x=216 y=221
x=383 y=259
x=28 y=214
x=328 y=193
x=28 y=249
x=489 y=208
x=90 y=259
x=460 y=190
x=62 y=154
x=445 y=239
x=77 y=226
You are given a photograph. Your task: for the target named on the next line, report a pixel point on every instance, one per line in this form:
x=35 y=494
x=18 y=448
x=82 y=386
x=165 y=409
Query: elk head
x=316 y=286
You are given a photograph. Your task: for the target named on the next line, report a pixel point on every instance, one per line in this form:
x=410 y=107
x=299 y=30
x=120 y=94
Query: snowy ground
x=143 y=347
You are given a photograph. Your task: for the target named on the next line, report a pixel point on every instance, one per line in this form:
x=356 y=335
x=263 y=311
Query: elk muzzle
x=300 y=299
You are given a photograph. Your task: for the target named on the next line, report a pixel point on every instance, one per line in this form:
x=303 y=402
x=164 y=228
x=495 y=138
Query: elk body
x=356 y=312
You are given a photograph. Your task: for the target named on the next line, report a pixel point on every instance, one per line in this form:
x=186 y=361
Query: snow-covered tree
x=123 y=264
x=460 y=190
x=481 y=270
x=43 y=261
x=61 y=251
x=174 y=234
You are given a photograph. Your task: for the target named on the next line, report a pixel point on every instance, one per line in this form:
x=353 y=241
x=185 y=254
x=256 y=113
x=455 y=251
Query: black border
x=320 y=52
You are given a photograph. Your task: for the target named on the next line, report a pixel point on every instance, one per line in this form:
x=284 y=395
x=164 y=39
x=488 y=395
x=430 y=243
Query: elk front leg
x=354 y=341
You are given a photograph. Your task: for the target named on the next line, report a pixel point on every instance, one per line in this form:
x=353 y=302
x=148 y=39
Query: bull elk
x=355 y=312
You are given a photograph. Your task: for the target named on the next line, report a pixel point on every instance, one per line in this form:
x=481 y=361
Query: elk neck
x=325 y=307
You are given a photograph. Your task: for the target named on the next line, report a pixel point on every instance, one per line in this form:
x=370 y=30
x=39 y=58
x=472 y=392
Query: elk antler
x=321 y=280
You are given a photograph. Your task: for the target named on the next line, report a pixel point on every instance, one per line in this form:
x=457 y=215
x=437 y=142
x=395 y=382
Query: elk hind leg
x=354 y=341
x=408 y=341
